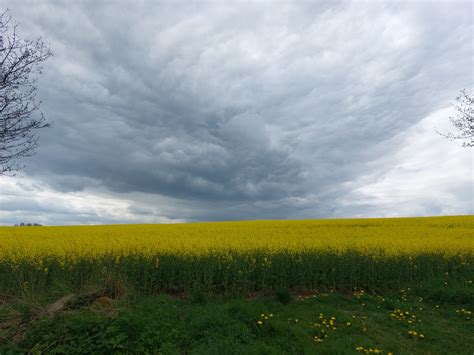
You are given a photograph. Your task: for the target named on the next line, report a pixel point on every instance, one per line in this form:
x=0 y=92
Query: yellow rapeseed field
x=394 y=236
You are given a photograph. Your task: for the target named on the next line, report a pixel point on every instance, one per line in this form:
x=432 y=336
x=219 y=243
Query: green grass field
x=323 y=323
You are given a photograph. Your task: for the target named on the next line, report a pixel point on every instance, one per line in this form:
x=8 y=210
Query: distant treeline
x=28 y=225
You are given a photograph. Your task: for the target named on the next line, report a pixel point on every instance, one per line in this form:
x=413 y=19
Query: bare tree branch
x=463 y=121
x=20 y=116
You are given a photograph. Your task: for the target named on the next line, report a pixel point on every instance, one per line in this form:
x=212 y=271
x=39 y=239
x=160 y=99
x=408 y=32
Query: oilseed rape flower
x=390 y=236
x=247 y=255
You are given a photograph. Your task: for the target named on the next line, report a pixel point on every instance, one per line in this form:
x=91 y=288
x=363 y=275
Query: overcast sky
x=167 y=112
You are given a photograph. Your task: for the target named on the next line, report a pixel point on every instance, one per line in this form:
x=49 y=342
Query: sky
x=168 y=112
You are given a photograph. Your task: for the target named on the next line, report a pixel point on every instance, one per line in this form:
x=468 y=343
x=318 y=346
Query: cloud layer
x=210 y=111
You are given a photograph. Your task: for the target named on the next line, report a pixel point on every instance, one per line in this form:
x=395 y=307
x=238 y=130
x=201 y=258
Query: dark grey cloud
x=237 y=110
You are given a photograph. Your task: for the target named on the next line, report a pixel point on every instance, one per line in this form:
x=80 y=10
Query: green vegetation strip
x=239 y=272
x=319 y=323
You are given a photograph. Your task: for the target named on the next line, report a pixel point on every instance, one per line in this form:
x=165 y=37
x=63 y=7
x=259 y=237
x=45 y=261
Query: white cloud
x=428 y=175
x=25 y=200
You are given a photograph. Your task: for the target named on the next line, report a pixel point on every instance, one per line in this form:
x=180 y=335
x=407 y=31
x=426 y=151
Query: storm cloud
x=231 y=110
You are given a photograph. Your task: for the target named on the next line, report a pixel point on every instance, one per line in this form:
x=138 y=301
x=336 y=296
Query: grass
x=212 y=324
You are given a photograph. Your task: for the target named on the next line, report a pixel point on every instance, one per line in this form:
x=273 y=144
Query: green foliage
x=197 y=294
x=166 y=325
x=238 y=272
x=283 y=295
